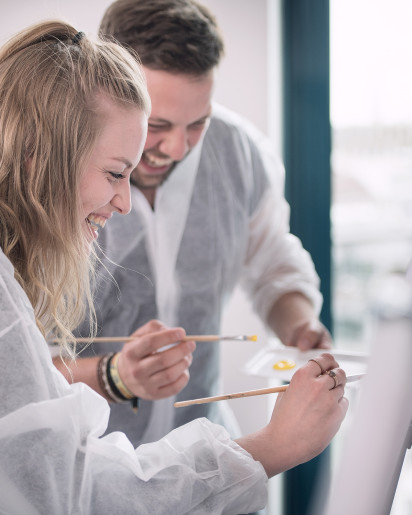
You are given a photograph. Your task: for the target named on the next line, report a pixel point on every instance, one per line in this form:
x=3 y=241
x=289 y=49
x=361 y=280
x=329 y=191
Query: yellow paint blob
x=284 y=364
x=252 y=338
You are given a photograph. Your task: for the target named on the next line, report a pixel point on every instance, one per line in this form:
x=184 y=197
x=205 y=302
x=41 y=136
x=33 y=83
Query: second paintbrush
x=195 y=337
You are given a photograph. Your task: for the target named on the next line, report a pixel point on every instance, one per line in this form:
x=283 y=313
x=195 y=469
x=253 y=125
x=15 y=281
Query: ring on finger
x=333 y=375
x=320 y=366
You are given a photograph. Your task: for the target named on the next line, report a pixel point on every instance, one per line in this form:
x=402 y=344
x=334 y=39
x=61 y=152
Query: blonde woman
x=73 y=121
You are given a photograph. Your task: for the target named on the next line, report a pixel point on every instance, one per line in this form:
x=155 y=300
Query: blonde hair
x=50 y=77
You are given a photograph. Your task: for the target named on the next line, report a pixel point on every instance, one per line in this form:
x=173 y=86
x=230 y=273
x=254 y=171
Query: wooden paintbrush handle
x=238 y=395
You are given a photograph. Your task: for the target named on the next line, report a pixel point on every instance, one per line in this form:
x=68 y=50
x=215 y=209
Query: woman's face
x=104 y=184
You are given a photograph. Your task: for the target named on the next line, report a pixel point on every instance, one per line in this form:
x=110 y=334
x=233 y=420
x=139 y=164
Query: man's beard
x=134 y=179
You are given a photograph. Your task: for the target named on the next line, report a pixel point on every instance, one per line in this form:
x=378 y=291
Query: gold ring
x=333 y=375
x=320 y=366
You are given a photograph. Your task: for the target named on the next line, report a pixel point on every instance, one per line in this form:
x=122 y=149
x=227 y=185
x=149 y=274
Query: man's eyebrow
x=202 y=118
x=158 y=120
x=168 y=122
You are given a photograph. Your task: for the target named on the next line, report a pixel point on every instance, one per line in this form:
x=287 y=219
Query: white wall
x=243 y=86
x=16 y=15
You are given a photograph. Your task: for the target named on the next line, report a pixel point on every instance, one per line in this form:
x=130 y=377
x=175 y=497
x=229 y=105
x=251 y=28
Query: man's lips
x=155 y=165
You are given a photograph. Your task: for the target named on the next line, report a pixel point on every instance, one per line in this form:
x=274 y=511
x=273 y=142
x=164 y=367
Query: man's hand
x=151 y=373
x=310 y=335
x=294 y=321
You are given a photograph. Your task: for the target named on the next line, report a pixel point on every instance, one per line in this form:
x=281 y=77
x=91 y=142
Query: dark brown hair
x=177 y=36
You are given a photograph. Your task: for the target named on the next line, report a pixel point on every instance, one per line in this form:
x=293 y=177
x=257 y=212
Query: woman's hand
x=149 y=372
x=305 y=417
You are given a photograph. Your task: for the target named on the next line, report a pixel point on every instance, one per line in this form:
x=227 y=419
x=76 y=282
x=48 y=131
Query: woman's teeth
x=96 y=221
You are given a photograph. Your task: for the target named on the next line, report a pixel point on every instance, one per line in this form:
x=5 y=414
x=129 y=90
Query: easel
x=395 y=479
x=373 y=453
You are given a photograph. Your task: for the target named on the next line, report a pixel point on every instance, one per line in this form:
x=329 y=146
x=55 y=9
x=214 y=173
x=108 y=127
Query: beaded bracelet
x=116 y=393
x=113 y=374
x=103 y=379
x=120 y=387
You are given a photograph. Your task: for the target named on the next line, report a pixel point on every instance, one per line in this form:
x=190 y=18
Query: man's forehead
x=179 y=98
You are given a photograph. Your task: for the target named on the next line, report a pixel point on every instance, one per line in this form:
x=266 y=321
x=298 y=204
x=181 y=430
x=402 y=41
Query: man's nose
x=175 y=144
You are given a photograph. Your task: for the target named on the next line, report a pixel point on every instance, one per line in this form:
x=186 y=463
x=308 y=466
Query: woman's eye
x=116 y=176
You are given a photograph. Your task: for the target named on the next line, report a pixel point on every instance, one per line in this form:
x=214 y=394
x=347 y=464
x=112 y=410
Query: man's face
x=181 y=106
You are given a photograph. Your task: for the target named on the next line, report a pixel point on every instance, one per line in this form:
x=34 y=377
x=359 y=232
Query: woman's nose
x=122 y=200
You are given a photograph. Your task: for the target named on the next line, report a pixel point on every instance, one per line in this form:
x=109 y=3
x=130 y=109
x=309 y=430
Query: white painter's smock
x=52 y=460
x=220 y=219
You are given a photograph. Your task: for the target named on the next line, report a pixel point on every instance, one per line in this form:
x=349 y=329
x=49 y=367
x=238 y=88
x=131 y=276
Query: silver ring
x=333 y=375
x=317 y=362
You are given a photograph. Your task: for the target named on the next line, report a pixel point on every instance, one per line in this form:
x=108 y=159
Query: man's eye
x=156 y=127
x=200 y=123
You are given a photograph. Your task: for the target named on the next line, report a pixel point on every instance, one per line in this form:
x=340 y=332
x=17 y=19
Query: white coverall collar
x=165 y=226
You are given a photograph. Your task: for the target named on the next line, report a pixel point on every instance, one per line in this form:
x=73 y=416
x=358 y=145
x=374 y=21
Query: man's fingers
x=313 y=335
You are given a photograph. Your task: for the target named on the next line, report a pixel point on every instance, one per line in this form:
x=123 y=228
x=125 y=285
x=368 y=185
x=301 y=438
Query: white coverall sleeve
x=53 y=459
x=276 y=262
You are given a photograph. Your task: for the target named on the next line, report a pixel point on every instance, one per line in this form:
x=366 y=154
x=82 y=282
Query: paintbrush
x=195 y=337
x=250 y=393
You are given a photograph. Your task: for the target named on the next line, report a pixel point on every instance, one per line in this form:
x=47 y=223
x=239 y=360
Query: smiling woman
x=104 y=184
x=55 y=82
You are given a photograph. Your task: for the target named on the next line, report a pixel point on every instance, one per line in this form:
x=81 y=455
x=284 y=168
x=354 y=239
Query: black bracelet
x=102 y=378
x=135 y=404
x=116 y=391
x=112 y=384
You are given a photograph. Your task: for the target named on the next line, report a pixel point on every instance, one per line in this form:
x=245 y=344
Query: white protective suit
x=52 y=460
x=220 y=218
